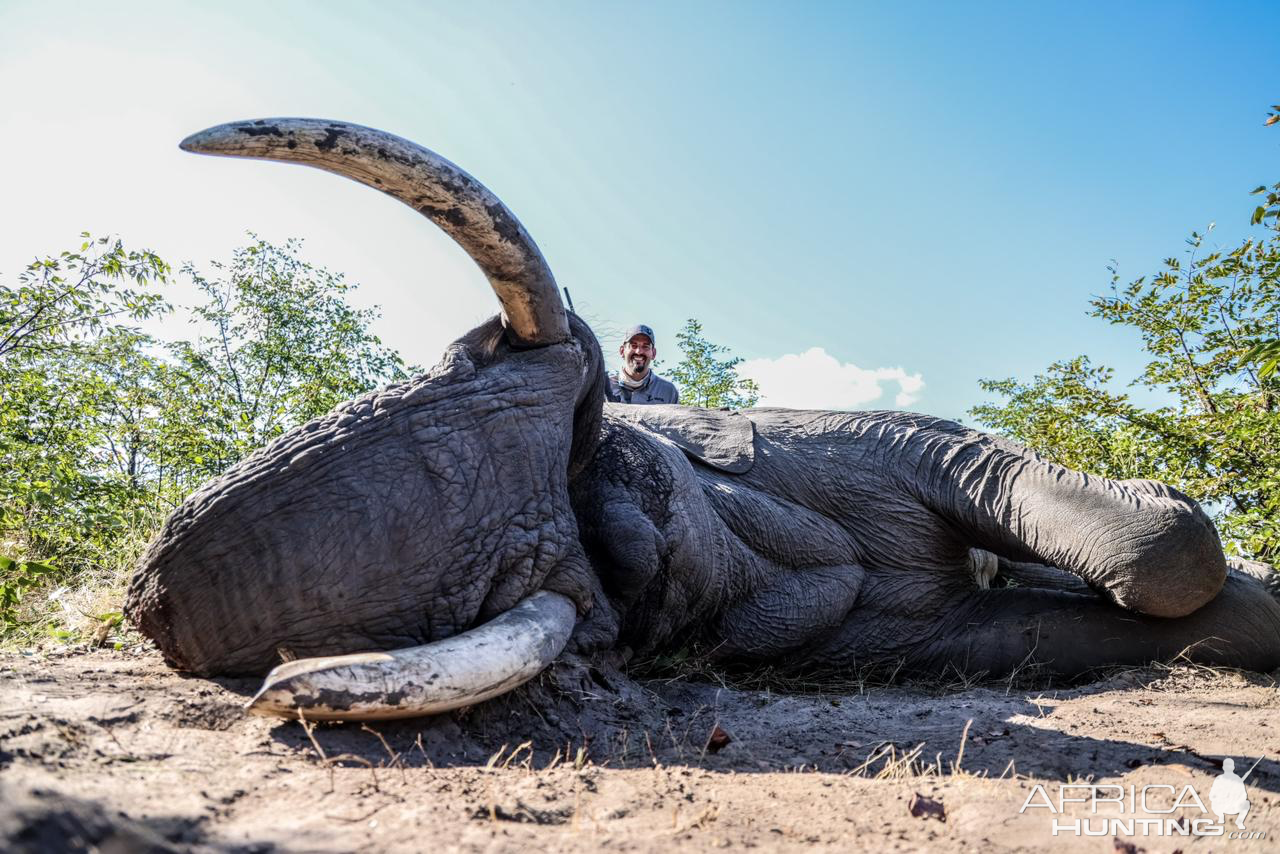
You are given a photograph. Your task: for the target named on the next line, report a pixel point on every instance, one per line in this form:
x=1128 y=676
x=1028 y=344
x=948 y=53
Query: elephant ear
x=721 y=438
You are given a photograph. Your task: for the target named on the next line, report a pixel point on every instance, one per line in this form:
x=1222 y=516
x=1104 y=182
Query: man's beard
x=637 y=372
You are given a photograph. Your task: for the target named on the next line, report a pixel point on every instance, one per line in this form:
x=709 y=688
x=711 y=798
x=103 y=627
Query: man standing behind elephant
x=637 y=382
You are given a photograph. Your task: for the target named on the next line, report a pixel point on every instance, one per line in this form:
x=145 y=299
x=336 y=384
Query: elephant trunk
x=1146 y=546
x=463 y=207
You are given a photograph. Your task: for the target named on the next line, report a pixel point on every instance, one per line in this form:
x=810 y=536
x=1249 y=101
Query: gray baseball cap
x=639 y=329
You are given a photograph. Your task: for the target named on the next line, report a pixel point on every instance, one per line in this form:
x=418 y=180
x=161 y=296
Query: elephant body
x=844 y=540
x=801 y=539
x=849 y=542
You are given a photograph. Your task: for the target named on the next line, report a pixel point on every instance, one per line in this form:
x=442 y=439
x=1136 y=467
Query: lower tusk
x=423 y=680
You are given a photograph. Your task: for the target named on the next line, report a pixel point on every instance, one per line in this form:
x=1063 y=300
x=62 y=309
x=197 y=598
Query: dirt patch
x=113 y=748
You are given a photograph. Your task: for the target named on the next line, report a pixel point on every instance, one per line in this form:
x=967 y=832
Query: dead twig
x=396 y=761
x=330 y=762
x=964 y=737
x=360 y=818
x=423 y=750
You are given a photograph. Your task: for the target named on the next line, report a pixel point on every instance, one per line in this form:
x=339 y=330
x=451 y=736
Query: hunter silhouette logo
x=1229 y=795
x=1151 y=810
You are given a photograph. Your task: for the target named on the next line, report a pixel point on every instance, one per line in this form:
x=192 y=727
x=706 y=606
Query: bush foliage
x=1210 y=324
x=706 y=380
x=104 y=428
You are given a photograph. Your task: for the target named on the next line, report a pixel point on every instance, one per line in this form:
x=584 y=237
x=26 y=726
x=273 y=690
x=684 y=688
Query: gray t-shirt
x=654 y=390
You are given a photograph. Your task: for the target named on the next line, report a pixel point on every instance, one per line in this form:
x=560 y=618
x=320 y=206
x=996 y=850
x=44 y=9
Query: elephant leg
x=1144 y=545
x=1062 y=632
x=795 y=606
x=1263 y=572
x=1070 y=633
x=1012 y=573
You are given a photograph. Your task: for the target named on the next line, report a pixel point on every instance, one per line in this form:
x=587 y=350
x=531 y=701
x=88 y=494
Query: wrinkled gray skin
x=416 y=512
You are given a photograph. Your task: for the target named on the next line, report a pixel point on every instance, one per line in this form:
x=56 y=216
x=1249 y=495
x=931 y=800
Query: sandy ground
x=114 y=752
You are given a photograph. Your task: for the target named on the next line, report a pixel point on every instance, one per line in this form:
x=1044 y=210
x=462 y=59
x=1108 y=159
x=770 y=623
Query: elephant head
x=473 y=520
x=410 y=514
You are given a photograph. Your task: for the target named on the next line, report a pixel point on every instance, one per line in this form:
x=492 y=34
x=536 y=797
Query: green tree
x=706 y=380
x=67 y=303
x=103 y=429
x=63 y=330
x=1266 y=353
x=1208 y=322
x=281 y=347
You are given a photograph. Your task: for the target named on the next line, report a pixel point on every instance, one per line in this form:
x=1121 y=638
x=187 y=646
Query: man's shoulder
x=662 y=383
x=654 y=390
x=664 y=389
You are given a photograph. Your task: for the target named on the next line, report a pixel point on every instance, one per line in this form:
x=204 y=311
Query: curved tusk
x=484 y=662
x=474 y=217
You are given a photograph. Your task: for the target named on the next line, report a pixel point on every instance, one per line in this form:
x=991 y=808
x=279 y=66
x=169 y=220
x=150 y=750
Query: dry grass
x=699 y=664
x=888 y=761
x=81 y=607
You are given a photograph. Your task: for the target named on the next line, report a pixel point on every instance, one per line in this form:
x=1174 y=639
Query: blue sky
x=927 y=192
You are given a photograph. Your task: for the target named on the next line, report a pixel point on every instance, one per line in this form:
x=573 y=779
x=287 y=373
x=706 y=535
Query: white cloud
x=815 y=379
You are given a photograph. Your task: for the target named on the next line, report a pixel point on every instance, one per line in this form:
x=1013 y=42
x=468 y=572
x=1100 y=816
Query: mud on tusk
x=423 y=680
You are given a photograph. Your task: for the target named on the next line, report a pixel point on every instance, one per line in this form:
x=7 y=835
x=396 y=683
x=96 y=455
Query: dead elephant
x=481 y=518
